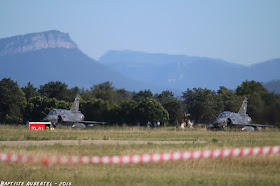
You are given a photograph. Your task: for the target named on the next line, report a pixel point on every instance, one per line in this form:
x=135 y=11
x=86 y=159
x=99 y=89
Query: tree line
x=104 y=102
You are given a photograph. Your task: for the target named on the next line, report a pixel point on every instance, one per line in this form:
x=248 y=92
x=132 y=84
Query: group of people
x=156 y=124
x=185 y=124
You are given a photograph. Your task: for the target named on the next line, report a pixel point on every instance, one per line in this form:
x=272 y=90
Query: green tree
x=96 y=110
x=73 y=92
x=165 y=96
x=141 y=95
x=248 y=88
x=123 y=95
x=230 y=101
x=255 y=108
x=38 y=105
x=56 y=90
x=151 y=110
x=271 y=109
x=276 y=111
x=256 y=93
x=104 y=91
x=175 y=111
x=30 y=91
x=202 y=104
x=172 y=105
x=12 y=101
x=126 y=113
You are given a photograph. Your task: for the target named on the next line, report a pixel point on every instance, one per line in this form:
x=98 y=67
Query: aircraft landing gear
x=212 y=127
x=229 y=122
x=54 y=125
x=59 y=118
x=79 y=126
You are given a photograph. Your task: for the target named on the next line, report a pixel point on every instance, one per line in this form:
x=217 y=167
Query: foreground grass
x=242 y=171
x=257 y=170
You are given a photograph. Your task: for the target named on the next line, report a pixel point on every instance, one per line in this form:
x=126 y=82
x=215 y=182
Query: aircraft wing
x=84 y=122
x=92 y=122
x=254 y=125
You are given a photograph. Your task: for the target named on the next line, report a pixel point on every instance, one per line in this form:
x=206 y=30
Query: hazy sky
x=240 y=31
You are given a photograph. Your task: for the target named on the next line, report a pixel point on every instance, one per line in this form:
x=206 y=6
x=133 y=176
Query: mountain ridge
x=35 y=41
x=182 y=71
x=53 y=56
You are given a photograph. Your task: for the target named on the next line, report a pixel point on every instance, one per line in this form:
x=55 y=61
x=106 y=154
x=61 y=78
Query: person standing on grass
x=158 y=123
x=148 y=124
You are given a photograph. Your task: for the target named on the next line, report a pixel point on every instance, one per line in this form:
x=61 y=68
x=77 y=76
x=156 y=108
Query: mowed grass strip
x=251 y=170
x=267 y=137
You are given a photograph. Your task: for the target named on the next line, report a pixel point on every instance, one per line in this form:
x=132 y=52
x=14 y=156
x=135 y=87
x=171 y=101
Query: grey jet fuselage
x=61 y=115
x=227 y=118
x=230 y=119
x=72 y=117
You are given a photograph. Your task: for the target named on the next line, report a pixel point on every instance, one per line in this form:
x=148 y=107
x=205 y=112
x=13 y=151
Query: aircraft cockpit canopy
x=224 y=114
x=54 y=112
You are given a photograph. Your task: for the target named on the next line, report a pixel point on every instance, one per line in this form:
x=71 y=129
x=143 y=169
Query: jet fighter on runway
x=72 y=117
x=230 y=119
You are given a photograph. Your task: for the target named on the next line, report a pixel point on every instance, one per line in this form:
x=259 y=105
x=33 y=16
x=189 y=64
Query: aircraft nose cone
x=45 y=118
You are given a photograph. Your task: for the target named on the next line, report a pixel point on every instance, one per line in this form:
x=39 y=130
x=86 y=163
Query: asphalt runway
x=95 y=142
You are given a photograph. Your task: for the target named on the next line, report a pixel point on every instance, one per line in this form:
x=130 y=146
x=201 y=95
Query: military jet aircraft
x=240 y=119
x=72 y=117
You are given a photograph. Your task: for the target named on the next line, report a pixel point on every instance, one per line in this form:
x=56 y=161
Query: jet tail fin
x=243 y=108
x=75 y=106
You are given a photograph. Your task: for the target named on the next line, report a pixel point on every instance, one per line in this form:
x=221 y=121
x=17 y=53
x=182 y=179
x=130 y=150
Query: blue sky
x=239 y=31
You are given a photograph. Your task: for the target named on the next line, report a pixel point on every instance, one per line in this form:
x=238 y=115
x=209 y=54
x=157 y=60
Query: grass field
x=252 y=170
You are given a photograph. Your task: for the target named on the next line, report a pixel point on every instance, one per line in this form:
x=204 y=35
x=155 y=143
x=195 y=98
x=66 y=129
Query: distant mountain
x=266 y=71
x=273 y=86
x=53 y=56
x=182 y=72
x=34 y=42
